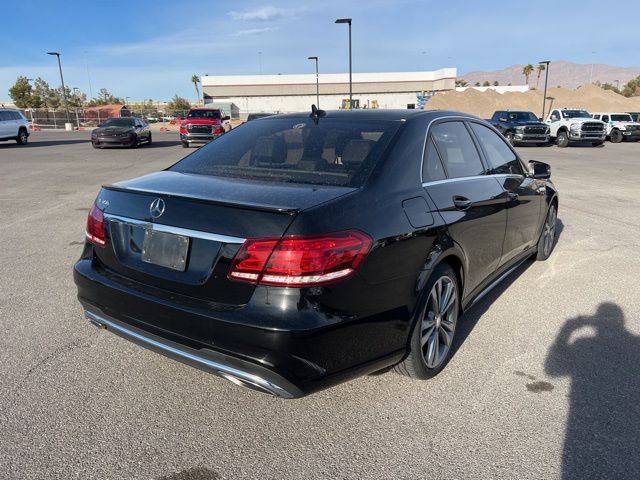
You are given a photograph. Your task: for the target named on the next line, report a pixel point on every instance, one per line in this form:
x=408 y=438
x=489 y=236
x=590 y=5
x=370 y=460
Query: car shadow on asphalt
x=601 y=358
x=44 y=143
x=475 y=313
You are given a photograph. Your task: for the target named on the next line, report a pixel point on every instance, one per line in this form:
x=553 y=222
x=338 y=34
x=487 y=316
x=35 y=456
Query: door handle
x=512 y=196
x=461 y=203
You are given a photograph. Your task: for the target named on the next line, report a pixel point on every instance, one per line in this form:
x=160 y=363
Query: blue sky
x=150 y=49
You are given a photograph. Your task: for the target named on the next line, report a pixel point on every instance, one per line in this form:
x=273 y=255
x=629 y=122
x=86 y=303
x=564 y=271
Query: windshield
x=118 y=122
x=522 y=116
x=338 y=152
x=575 y=114
x=211 y=114
x=621 y=118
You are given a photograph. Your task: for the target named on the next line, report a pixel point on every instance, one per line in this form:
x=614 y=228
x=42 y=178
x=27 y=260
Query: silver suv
x=13 y=126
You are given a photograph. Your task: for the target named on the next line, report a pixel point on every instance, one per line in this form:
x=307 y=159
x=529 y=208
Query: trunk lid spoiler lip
x=200 y=199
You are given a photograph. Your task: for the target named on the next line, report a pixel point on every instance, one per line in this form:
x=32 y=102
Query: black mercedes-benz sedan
x=121 y=132
x=300 y=251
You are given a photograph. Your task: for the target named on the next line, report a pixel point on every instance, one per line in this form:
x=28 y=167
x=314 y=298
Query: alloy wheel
x=439 y=321
x=549 y=232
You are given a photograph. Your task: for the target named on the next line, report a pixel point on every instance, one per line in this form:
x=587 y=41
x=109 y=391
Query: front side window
x=334 y=151
x=605 y=118
x=500 y=157
x=457 y=150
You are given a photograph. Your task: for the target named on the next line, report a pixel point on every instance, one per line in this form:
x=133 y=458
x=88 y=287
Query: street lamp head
x=344 y=20
x=547 y=62
x=54 y=53
x=312 y=58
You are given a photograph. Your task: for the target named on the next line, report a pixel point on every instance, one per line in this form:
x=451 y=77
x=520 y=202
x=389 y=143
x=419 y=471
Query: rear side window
x=500 y=157
x=432 y=169
x=4 y=115
x=336 y=151
x=457 y=150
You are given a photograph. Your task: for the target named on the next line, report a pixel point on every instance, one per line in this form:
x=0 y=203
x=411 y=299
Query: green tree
x=609 y=86
x=461 y=83
x=21 y=93
x=486 y=83
x=632 y=88
x=46 y=96
x=178 y=105
x=527 y=70
x=195 y=79
x=477 y=84
x=496 y=83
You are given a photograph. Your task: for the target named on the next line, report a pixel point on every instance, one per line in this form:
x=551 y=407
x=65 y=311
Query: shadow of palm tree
x=601 y=357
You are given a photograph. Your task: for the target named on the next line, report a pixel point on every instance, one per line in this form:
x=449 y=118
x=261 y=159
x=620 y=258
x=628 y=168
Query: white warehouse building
x=295 y=93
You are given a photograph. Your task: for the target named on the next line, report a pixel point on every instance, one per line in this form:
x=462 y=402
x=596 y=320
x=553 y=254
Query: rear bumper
x=233 y=369
x=309 y=350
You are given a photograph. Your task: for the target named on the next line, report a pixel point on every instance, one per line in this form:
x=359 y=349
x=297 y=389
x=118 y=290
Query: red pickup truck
x=201 y=125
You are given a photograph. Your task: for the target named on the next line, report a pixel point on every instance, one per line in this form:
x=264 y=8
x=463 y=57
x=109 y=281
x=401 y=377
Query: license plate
x=165 y=249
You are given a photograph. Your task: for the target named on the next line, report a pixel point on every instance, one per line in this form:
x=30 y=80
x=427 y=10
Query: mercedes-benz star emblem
x=156 y=208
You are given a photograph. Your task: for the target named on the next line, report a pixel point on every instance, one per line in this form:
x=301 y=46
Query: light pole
x=64 y=90
x=591 y=74
x=317 y=82
x=260 y=61
x=88 y=74
x=546 y=79
x=348 y=20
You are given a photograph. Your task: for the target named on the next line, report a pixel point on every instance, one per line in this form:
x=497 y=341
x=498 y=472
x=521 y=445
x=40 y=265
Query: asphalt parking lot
x=543 y=384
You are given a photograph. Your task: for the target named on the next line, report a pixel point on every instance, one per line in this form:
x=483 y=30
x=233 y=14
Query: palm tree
x=195 y=80
x=527 y=71
x=541 y=68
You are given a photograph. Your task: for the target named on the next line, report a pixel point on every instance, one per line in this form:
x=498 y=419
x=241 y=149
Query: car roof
x=610 y=113
x=379 y=114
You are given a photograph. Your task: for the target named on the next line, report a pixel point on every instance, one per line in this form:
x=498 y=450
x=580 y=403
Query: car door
x=6 y=124
x=471 y=203
x=524 y=195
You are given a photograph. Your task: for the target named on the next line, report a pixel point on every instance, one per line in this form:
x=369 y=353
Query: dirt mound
x=483 y=104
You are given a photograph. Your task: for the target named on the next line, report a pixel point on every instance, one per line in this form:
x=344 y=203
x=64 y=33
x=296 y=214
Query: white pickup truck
x=620 y=126
x=567 y=125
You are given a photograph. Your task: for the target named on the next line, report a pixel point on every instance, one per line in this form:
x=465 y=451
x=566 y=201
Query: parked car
x=620 y=126
x=257 y=115
x=121 y=132
x=13 y=126
x=574 y=125
x=201 y=125
x=152 y=119
x=300 y=251
x=635 y=116
x=520 y=127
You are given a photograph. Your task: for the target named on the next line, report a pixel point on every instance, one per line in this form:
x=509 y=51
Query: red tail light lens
x=300 y=261
x=95 y=231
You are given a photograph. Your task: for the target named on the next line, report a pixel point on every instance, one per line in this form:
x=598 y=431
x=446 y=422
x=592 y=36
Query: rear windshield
x=334 y=152
x=204 y=114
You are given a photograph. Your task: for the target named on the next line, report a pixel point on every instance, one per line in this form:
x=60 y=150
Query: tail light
x=300 y=261
x=95 y=231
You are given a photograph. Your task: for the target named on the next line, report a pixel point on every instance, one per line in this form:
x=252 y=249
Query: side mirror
x=539 y=170
x=540 y=119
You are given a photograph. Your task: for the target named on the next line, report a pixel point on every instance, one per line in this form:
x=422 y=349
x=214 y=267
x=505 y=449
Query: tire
x=563 y=140
x=432 y=336
x=149 y=140
x=94 y=146
x=23 y=137
x=509 y=137
x=548 y=235
x=616 y=136
x=136 y=142
x=185 y=145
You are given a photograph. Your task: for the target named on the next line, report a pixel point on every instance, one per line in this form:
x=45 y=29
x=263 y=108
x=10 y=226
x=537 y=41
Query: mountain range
x=561 y=73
